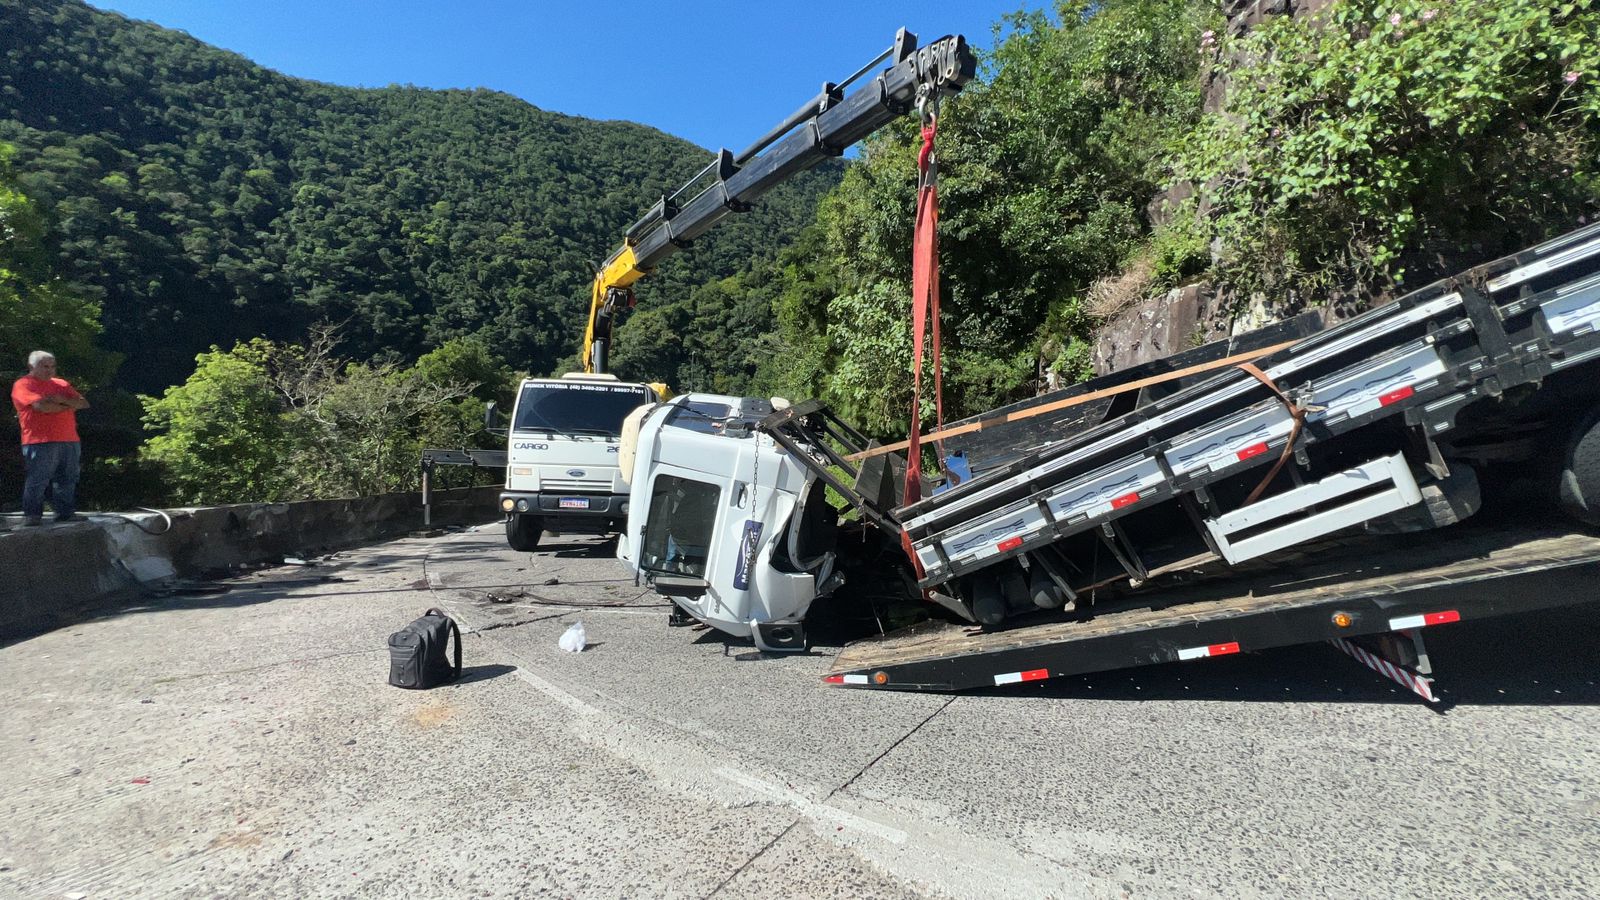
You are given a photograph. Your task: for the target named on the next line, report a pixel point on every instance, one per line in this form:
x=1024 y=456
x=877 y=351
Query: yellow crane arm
x=822 y=128
x=611 y=292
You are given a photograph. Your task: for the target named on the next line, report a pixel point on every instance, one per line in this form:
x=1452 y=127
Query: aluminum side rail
x=1424 y=357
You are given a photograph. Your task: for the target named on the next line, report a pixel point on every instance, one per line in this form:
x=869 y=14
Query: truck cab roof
x=717 y=414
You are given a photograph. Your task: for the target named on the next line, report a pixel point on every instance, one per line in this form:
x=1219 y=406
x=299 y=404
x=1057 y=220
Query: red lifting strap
x=924 y=306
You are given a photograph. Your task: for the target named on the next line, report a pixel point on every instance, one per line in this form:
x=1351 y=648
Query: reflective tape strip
x=1396 y=395
x=1015 y=677
x=1252 y=450
x=1009 y=544
x=1417 y=684
x=1433 y=618
x=1209 y=650
x=846 y=679
x=1124 y=500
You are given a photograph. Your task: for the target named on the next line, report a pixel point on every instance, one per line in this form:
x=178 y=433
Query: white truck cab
x=725 y=522
x=561 y=456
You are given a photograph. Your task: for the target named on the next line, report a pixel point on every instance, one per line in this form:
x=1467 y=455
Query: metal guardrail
x=477 y=459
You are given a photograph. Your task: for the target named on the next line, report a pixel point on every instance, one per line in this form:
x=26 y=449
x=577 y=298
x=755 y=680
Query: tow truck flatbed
x=1376 y=584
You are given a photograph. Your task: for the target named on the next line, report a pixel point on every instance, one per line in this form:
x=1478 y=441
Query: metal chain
x=755 y=472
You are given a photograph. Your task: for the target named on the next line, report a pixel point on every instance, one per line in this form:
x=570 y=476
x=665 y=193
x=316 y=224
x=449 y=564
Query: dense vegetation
x=201 y=199
x=164 y=197
x=1045 y=171
x=1399 y=135
x=270 y=421
x=36 y=307
x=1375 y=145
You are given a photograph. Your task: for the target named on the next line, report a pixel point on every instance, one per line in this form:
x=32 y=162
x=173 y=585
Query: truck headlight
x=507 y=504
x=522 y=506
x=624 y=508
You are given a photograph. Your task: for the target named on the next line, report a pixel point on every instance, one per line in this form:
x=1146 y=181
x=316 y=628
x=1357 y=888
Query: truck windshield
x=577 y=408
x=699 y=415
x=677 y=534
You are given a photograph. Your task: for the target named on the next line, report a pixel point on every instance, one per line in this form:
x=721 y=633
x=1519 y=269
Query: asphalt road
x=246 y=744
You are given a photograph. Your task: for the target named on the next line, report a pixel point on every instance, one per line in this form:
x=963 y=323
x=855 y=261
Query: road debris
x=574 y=639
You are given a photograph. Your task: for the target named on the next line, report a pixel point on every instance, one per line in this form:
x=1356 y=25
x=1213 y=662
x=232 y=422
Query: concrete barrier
x=50 y=575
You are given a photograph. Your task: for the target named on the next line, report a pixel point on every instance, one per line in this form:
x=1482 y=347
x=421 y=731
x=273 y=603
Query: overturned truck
x=1355 y=483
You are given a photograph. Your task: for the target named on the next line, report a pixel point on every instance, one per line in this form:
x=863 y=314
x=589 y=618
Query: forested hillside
x=1257 y=157
x=201 y=199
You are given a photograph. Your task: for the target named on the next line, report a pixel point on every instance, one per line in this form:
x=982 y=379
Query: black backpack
x=417 y=657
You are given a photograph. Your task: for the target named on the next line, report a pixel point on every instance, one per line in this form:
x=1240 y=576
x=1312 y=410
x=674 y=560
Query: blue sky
x=716 y=73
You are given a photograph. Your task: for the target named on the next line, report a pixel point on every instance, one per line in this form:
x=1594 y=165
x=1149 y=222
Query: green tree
x=361 y=435
x=225 y=435
x=1398 y=137
x=1046 y=167
x=358 y=428
x=272 y=421
x=38 y=310
x=464 y=362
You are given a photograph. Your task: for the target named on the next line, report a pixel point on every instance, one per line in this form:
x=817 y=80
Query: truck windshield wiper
x=554 y=429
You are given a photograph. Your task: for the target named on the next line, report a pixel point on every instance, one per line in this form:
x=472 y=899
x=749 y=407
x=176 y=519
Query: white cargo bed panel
x=1378 y=488
x=1273 y=415
x=990 y=537
x=1575 y=309
x=1101 y=492
x=1256 y=432
x=1091 y=496
x=1549 y=264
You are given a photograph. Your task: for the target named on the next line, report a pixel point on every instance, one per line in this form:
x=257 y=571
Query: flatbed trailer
x=1147 y=528
x=1346 y=591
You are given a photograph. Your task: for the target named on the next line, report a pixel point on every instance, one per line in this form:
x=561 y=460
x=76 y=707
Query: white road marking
x=555 y=693
x=810 y=808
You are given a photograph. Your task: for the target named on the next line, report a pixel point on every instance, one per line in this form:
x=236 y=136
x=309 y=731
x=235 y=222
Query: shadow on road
x=592 y=549
x=483 y=673
x=1548 y=657
x=325 y=578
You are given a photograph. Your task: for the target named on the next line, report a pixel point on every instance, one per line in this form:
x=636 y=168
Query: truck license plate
x=574 y=502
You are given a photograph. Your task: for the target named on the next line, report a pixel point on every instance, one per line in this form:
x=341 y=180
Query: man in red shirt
x=47 y=407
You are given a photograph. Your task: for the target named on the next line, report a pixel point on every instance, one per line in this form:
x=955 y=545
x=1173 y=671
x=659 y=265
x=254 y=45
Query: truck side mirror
x=491 y=416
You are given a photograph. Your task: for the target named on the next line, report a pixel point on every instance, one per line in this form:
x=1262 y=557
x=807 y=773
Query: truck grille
x=575 y=485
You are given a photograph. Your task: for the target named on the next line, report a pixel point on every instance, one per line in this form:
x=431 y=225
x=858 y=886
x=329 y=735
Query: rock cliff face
x=1246 y=14
x=1194 y=314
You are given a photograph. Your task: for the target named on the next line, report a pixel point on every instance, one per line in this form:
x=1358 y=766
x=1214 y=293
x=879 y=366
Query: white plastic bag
x=573 y=640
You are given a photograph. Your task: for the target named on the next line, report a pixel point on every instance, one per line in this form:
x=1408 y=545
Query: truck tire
x=1579 y=488
x=522 y=532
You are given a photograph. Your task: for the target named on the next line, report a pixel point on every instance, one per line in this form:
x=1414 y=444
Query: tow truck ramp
x=1350 y=592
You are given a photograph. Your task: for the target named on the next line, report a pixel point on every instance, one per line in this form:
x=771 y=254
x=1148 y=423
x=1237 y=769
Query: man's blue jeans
x=51 y=464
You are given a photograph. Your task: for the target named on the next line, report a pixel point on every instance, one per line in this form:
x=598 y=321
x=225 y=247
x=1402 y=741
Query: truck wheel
x=522 y=532
x=1579 y=487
